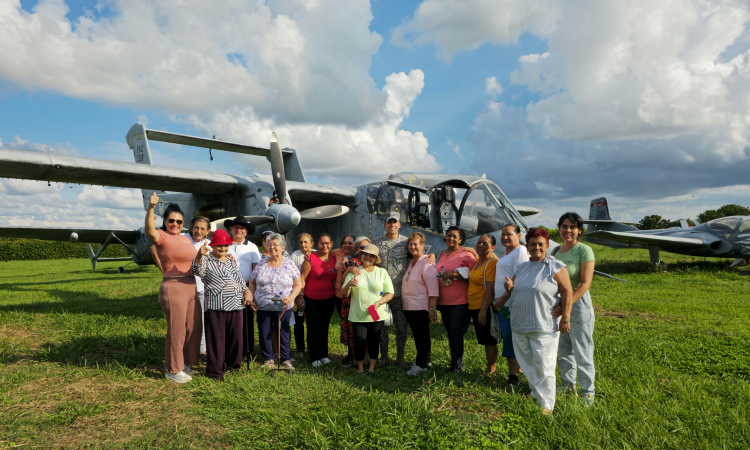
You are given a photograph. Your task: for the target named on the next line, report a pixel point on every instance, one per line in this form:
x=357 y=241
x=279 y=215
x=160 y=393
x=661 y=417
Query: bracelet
x=566 y=321
x=433 y=309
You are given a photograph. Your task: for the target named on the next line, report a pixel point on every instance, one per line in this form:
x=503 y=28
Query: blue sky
x=593 y=101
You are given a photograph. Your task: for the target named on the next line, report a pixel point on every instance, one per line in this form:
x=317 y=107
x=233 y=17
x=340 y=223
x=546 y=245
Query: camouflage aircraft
x=727 y=237
x=426 y=202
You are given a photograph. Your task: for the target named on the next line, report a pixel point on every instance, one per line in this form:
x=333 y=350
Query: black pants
x=456 y=319
x=366 y=334
x=299 y=332
x=267 y=321
x=250 y=329
x=419 y=322
x=318 y=317
x=224 y=336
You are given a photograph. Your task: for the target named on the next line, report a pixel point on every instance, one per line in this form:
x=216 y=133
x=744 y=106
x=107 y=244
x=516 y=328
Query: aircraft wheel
x=121 y=270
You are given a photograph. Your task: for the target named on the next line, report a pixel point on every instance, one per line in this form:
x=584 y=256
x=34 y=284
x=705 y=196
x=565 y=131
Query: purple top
x=273 y=283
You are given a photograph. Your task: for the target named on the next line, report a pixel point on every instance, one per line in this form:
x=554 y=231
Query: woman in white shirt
x=515 y=254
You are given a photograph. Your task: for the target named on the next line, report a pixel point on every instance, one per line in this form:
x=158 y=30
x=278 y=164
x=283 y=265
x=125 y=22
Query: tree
x=724 y=211
x=655 y=222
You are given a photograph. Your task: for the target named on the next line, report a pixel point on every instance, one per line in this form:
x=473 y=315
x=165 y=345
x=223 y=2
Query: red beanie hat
x=220 y=237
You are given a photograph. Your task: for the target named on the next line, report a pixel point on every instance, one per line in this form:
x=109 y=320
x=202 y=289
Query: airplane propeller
x=284 y=217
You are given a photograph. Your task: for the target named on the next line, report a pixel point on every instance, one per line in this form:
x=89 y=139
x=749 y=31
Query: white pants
x=536 y=353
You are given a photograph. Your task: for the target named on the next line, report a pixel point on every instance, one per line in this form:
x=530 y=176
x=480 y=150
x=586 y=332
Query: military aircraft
x=727 y=237
x=426 y=203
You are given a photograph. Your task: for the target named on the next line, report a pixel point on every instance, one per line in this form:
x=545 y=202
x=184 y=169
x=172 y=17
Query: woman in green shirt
x=575 y=351
x=369 y=291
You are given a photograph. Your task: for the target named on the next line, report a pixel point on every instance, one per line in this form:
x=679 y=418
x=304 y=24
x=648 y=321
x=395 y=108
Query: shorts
x=483 y=332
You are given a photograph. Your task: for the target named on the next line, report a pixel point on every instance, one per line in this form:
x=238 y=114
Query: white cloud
x=456 y=149
x=533 y=58
x=111 y=197
x=492 y=88
x=21 y=144
x=465 y=25
x=336 y=151
x=296 y=61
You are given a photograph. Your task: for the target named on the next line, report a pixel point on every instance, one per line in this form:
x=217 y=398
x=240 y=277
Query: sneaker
x=415 y=370
x=546 y=412
x=188 y=370
x=588 y=401
x=287 y=365
x=268 y=364
x=326 y=361
x=179 y=377
x=346 y=362
x=317 y=363
x=513 y=381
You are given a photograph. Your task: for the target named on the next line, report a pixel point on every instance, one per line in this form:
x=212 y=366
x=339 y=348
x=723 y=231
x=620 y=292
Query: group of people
x=533 y=300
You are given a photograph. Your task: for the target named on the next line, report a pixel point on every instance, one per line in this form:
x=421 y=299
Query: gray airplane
x=727 y=237
x=426 y=202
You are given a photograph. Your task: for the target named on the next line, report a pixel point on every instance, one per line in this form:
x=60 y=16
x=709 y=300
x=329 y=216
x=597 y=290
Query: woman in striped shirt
x=224 y=294
x=537 y=287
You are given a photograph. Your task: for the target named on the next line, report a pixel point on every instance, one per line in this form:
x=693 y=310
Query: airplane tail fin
x=138 y=142
x=599 y=209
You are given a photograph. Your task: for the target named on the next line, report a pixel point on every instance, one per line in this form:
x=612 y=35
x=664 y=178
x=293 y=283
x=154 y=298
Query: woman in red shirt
x=453 y=302
x=319 y=274
x=177 y=295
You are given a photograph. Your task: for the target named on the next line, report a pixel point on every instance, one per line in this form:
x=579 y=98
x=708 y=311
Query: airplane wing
x=94 y=235
x=71 y=169
x=646 y=239
x=320 y=193
x=526 y=210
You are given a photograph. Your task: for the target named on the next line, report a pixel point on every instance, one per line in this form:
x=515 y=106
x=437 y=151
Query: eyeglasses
x=362 y=247
x=178 y=222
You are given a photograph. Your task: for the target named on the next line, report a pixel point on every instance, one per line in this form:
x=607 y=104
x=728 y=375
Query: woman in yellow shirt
x=481 y=293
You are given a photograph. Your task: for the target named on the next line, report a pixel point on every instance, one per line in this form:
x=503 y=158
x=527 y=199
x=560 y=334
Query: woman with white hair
x=275 y=285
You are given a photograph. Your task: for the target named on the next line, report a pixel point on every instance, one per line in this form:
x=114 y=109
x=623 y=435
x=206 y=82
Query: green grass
x=81 y=356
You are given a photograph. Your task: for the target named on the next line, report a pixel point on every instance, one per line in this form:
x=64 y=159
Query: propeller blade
x=277 y=169
x=324 y=212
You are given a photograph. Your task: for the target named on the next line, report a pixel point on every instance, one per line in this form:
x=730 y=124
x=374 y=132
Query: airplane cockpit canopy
x=435 y=202
x=729 y=224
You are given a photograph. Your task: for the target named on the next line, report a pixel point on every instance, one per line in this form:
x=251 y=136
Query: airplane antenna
x=209 y=151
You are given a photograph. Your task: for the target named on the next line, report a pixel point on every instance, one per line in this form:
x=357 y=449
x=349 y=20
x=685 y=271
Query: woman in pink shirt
x=419 y=294
x=454 y=301
x=319 y=274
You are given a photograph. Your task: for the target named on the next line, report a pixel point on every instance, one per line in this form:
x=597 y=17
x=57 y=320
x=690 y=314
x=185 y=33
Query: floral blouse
x=273 y=283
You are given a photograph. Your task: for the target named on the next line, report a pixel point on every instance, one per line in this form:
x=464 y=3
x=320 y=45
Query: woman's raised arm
x=151 y=231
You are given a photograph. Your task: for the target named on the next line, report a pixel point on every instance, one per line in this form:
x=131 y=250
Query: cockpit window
x=744 y=226
x=392 y=199
x=481 y=213
x=725 y=224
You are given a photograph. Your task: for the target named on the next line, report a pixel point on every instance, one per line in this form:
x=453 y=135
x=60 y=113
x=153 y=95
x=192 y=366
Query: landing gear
x=122 y=269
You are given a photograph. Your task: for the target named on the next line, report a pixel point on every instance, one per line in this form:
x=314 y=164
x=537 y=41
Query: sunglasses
x=179 y=222
x=362 y=247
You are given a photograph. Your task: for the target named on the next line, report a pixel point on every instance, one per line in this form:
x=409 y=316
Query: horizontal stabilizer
x=64 y=234
x=526 y=210
x=194 y=141
x=72 y=169
x=645 y=239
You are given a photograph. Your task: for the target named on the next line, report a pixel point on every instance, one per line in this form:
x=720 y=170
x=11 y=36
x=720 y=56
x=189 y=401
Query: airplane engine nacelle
x=720 y=246
x=285 y=217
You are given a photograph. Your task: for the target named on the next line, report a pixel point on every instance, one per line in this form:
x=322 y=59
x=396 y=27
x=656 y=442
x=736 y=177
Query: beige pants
x=181 y=307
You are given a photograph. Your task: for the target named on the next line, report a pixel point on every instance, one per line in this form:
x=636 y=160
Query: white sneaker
x=317 y=363
x=415 y=370
x=179 y=377
x=326 y=361
x=268 y=364
x=188 y=370
x=287 y=365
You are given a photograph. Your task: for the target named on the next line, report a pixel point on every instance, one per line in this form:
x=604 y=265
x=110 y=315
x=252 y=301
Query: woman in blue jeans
x=575 y=351
x=507 y=266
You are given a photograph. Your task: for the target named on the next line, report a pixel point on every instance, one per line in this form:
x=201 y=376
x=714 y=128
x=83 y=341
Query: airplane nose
x=286 y=217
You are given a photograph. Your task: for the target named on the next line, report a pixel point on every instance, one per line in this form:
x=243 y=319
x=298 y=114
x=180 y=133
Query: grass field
x=81 y=356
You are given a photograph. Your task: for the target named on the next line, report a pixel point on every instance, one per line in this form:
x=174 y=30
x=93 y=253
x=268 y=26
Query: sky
x=558 y=102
